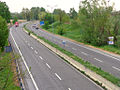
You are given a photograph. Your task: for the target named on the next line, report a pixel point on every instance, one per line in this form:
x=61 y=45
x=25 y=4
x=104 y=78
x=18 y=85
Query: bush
x=3 y=33
x=46 y=26
x=60 y=30
x=117 y=43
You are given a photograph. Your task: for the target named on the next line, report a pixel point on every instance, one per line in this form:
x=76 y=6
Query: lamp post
x=52 y=8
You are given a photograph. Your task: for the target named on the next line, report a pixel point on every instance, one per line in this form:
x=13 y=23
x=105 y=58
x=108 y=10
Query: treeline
x=4 y=19
x=95 y=19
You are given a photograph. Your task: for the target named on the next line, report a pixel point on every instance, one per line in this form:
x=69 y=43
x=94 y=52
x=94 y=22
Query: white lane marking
x=98 y=60
x=31 y=47
x=96 y=51
x=58 y=76
x=40 y=57
x=36 y=52
x=84 y=53
x=116 y=68
x=48 y=66
x=25 y=63
x=74 y=48
x=69 y=88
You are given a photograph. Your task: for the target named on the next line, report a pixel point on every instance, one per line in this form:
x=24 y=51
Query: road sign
x=63 y=42
x=110 y=42
x=41 y=22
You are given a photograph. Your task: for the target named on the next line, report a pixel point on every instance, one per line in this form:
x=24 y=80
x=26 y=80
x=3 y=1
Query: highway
x=107 y=62
x=45 y=70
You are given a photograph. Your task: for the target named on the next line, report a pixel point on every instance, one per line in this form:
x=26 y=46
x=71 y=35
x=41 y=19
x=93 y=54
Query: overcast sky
x=17 y=5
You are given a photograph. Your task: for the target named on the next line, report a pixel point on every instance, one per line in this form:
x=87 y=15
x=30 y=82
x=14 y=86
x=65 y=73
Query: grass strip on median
x=87 y=64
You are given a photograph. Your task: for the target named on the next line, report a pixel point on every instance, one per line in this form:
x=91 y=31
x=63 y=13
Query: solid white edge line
x=116 y=68
x=69 y=88
x=58 y=76
x=25 y=62
x=48 y=66
x=105 y=54
x=98 y=60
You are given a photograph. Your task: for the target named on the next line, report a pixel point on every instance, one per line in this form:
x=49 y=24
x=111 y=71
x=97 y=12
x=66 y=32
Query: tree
x=26 y=14
x=73 y=13
x=4 y=11
x=35 y=12
x=94 y=19
x=61 y=16
x=3 y=33
x=15 y=20
x=41 y=16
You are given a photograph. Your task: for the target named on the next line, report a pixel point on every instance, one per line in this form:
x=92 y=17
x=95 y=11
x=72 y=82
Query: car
x=37 y=27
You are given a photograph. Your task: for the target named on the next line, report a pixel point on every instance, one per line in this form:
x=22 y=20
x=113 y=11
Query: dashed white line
x=36 y=52
x=58 y=76
x=116 y=68
x=25 y=63
x=74 y=48
x=69 y=88
x=48 y=66
x=40 y=57
x=105 y=54
x=31 y=47
x=98 y=60
x=84 y=53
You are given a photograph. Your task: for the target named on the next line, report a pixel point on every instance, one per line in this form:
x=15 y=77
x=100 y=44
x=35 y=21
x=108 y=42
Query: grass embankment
x=8 y=79
x=74 y=33
x=104 y=74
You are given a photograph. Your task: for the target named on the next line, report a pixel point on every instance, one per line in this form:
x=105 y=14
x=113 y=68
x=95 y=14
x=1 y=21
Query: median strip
x=104 y=78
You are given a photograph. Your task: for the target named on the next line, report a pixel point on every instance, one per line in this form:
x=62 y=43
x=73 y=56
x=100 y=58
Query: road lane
x=61 y=76
x=94 y=56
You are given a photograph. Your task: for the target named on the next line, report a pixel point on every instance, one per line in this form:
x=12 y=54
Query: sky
x=17 y=5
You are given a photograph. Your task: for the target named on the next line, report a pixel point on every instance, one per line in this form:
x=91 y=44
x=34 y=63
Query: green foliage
x=50 y=18
x=60 y=30
x=73 y=13
x=35 y=12
x=15 y=20
x=41 y=16
x=46 y=26
x=87 y=64
x=4 y=11
x=3 y=33
x=6 y=74
x=18 y=15
x=61 y=16
x=26 y=14
x=94 y=19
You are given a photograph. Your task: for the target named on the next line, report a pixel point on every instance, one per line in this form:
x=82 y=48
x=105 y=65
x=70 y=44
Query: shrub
x=3 y=33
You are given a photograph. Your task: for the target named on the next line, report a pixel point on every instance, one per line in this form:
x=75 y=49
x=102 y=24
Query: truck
x=16 y=24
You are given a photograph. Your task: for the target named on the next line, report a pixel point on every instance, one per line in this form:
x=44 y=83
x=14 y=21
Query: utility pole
x=52 y=8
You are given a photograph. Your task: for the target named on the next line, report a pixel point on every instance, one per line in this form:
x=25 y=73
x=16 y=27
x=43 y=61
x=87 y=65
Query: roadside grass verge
x=75 y=34
x=87 y=64
x=7 y=77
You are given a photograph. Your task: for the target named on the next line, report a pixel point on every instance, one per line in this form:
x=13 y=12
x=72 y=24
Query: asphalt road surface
x=45 y=70
x=107 y=62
